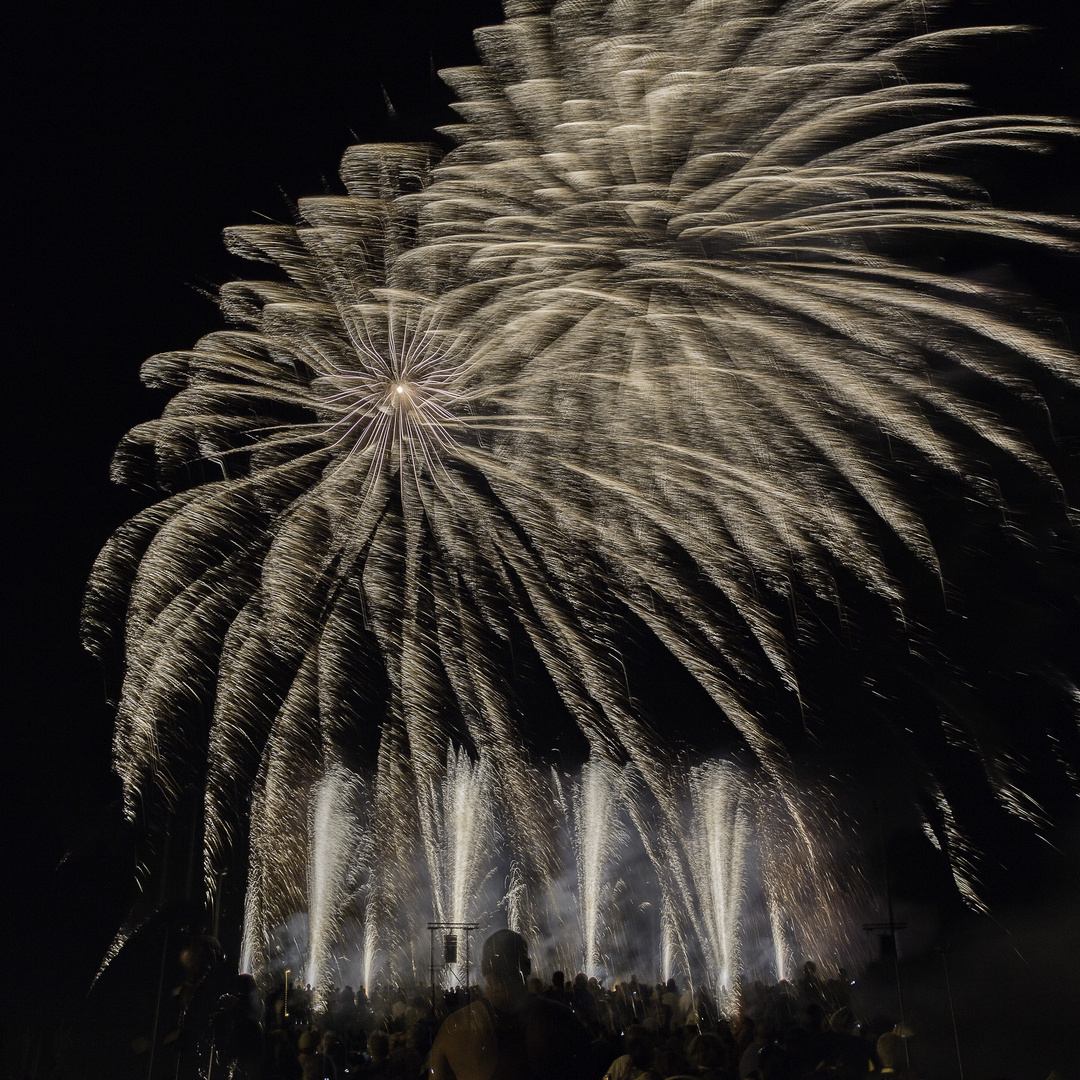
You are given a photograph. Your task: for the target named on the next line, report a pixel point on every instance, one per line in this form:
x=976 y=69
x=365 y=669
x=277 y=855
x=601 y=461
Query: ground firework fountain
x=719 y=834
x=459 y=837
x=699 y=899
x=598 y=837
x=335 y=842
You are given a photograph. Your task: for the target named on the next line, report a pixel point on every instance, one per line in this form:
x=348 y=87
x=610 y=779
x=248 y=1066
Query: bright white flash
x=397 y=400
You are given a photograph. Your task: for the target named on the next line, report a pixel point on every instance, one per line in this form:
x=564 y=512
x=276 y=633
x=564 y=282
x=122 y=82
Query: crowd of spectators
x=631 y=1031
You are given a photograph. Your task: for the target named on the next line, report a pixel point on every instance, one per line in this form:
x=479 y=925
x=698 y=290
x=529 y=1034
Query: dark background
x=138 y=132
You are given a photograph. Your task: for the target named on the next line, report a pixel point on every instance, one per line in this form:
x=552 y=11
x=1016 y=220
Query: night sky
x=140 y=132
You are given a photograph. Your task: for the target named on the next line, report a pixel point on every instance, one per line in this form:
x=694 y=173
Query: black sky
x=138 y=132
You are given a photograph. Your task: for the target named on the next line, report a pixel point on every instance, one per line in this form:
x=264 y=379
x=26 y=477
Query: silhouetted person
x=378 y=1054
x=236 y=1031
x=557 y=990
x=510 y=1034
x=811 y=987
x=637 y=1062
x=197 y=957
x=710 y=1056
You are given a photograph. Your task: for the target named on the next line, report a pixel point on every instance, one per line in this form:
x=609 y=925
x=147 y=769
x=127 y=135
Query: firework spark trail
x=779 y=937
x=458 y=834
x=653 y=353
x=334 y=845
x=598 y=837
x=718 y=860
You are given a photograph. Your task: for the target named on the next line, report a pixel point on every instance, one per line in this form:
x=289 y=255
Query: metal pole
x=431 y=935
x=952 y=1011
x=157 y=1006
x=217 y=903
x=892 y=930
x=190 y=862
x=164 y=952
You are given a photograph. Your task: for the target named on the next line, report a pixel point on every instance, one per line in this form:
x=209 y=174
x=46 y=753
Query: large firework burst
x=660 y=361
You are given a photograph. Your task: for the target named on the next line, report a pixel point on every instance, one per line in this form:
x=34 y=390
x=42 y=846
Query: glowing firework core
x=401 y=393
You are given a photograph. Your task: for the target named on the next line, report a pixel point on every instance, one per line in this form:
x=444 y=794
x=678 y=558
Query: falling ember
x=655 y=380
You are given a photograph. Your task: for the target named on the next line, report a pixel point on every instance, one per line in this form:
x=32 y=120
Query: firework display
x=665 y=356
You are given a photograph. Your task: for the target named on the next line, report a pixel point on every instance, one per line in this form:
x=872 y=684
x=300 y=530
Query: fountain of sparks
x=719 y=833
x=458 y=826
x=370 y=954
x=671 y=950
x=598 y=835
x=335 y=840
x=706 y=888
x=777 y=922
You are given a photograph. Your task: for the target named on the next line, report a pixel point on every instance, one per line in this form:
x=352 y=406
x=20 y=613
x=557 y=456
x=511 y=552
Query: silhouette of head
x=890 y=1048
x=505 y=957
